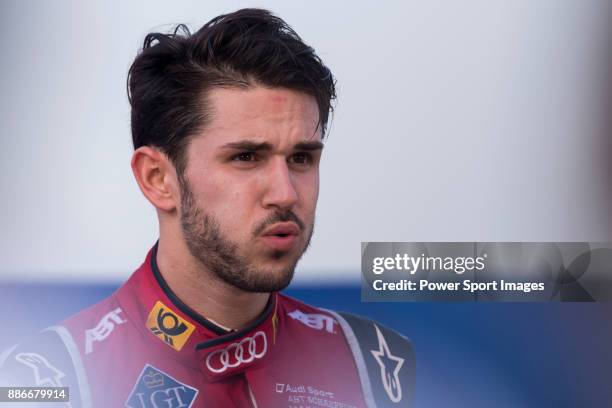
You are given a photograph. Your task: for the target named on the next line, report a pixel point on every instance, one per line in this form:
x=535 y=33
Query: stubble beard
x=223 y=257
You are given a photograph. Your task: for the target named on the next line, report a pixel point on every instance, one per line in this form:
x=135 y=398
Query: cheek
x=213 y=185
x=316 y=193
x=231 y=202
x=309 y=191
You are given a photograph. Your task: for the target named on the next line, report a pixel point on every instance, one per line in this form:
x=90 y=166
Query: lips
x=282 y=229
x=281 y=236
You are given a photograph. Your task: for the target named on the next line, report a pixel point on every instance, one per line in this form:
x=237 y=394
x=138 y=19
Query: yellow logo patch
x=168 y=326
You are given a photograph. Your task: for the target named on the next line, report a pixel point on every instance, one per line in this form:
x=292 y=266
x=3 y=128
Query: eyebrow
x=259 y=146
x=310 y=146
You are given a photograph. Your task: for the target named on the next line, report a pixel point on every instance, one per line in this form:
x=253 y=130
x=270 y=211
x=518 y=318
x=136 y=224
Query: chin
x=269 y=278
x=266 y=282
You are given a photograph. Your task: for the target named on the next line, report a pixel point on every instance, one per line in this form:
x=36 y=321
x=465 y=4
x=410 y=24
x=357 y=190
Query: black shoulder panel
x=385 y=360
x=48 y=359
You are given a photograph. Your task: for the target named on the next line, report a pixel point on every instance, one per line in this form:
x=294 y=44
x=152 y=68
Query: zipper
x=252 y=396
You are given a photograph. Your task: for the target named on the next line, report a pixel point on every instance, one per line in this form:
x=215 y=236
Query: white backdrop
x=456 y=121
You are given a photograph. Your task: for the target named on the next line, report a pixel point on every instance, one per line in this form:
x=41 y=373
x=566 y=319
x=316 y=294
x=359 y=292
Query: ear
x=156 y=177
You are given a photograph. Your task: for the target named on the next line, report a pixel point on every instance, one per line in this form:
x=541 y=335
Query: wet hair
x=169 y=80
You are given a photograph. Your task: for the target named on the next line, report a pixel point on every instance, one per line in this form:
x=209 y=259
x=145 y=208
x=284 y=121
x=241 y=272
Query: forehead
x=275 y=115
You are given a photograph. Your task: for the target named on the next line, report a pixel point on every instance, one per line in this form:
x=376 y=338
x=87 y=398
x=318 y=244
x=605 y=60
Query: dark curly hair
x=169 y=79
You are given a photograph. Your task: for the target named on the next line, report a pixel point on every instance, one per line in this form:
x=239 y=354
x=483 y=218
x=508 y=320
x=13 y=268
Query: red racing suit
x=144 y=348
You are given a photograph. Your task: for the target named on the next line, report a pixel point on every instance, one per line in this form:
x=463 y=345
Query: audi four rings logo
x=245 y=351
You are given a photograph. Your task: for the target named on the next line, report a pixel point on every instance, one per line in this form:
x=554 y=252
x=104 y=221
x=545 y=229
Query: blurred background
x=455 y=121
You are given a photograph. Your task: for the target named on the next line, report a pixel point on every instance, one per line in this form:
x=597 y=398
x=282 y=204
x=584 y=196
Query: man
x=227 y=126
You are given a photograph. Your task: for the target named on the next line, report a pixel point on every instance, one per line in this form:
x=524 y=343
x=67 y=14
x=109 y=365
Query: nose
x=280 y=191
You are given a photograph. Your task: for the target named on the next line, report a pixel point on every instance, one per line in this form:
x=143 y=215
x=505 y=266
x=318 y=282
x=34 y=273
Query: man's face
x=250 y=187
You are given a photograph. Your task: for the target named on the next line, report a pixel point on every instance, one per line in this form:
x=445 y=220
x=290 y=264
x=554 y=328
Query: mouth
x=281 y=236
x=282 y=229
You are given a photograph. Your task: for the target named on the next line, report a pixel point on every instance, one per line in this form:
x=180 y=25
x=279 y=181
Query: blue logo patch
x=156 y=389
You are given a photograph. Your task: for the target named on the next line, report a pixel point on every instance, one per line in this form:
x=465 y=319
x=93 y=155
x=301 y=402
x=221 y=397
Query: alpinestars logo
x=390 y=366
x=44 y=373
x=168 y=326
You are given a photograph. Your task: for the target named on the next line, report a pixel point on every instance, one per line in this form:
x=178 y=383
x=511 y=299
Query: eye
x=301 y=158
x=244 y=157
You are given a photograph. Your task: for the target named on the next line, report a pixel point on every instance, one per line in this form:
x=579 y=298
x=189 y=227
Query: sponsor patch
x=390 y=366
x=247 y=350
x=156 y=389
x=103 y=329
x=168 y=326
x=45 y=374
x=314 y=320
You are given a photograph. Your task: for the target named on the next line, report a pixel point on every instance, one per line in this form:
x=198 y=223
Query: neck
x=203 y=291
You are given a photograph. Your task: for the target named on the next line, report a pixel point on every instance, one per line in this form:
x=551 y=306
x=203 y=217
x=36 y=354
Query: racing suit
x=144 y=348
